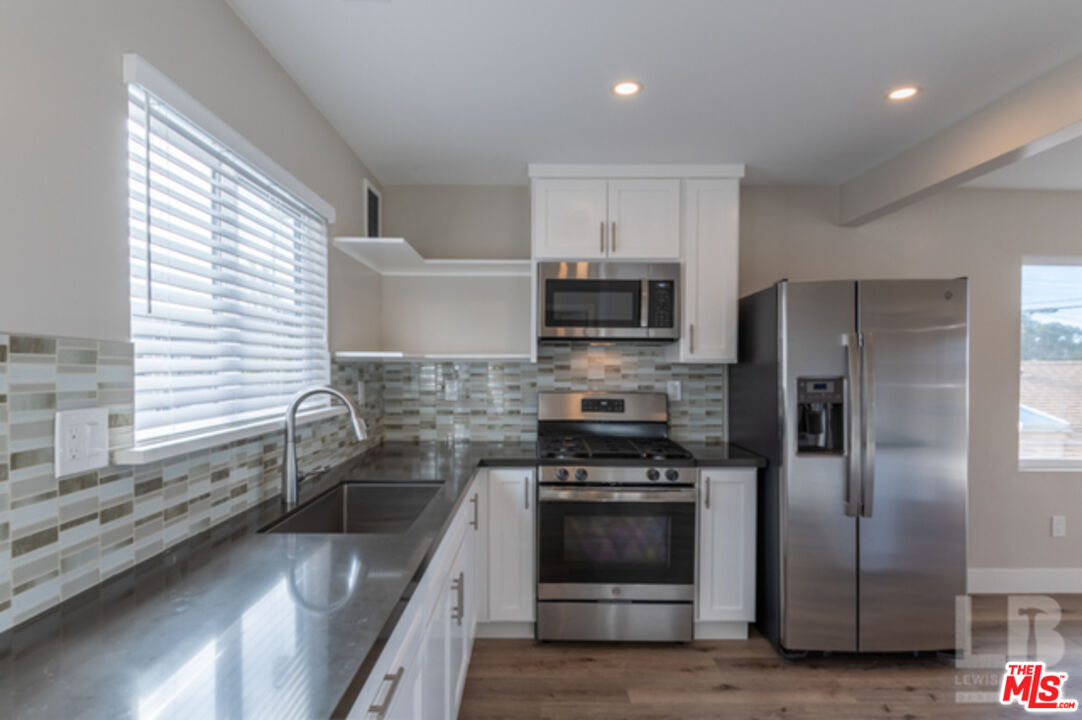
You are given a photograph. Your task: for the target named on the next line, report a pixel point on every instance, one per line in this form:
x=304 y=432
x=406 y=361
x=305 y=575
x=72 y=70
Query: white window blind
x=228 y=281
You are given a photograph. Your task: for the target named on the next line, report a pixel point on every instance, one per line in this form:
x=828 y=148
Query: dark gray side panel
x=753 y=424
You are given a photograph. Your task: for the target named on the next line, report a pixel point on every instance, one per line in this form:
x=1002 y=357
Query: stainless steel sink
x=361 y=509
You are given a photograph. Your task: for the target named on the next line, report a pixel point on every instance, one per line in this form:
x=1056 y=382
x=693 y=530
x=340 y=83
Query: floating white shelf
x=395 y=256
x=393 y=356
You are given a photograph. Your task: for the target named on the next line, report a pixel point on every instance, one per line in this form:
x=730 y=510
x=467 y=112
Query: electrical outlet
x=1059 y=526
x=450 y=389
x=673 y=390
x=81 y=441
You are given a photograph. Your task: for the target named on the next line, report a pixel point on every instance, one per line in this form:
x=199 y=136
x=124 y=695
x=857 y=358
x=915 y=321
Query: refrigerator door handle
x=867 y=488
x=851 y=341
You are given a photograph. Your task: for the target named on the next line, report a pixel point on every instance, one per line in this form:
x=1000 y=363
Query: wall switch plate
x=1059 y=526
x=81 y=442
x=673 y=390
x=360 y=393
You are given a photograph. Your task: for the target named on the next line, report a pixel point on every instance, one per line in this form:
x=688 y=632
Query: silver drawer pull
x=459 y=586
x=396 y=678
x=476 y=522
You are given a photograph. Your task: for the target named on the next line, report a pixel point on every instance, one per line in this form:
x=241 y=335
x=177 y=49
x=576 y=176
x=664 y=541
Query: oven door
x=616 y=543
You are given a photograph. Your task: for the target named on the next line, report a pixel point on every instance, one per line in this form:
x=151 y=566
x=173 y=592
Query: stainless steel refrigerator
x=857 y=393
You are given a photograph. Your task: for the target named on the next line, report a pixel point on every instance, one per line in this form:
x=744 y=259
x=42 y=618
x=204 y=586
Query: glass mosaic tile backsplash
x=59 y=537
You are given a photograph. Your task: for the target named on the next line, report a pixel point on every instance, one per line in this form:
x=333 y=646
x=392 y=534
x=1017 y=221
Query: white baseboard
x=1024 y=580
x=505 y=630
x=721 y=631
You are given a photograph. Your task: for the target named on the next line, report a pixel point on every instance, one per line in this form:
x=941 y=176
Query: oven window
x=593 y=303
x=616 y=542
x=620 y=540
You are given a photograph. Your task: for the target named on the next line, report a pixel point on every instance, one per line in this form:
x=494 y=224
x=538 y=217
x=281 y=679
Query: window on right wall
x=1050 y=397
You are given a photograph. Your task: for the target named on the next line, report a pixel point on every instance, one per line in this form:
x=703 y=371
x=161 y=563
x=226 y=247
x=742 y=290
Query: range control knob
x=672 y=475
x=562 y=474
x=581 y=474
x=652 y=474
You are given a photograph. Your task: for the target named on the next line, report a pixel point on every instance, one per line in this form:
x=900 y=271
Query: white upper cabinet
x=711 y=258
x=570 y=218
x=593 y=219
x=644 y=219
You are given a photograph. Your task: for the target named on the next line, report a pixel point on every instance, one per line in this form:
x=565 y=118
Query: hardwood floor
x=520 y=679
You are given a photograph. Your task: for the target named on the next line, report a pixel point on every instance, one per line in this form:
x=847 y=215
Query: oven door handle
x=668 y=495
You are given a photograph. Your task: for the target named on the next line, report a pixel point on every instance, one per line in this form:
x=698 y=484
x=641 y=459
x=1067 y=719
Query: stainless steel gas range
x=616 y=520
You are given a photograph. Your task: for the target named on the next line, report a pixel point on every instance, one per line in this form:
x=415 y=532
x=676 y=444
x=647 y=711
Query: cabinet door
x=726 y=587
x=569 y=218
x=644 y=219
x=711 y=254
x=478 y=523
x=435 y=693
x=512 y=587
x=463 y=619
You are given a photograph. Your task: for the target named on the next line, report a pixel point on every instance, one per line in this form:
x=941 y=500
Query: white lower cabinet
x=422 y=670
x=512 y=588
x=725 y=588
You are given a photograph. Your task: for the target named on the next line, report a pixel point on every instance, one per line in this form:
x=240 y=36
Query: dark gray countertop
x=225 y=626
x=723 y=455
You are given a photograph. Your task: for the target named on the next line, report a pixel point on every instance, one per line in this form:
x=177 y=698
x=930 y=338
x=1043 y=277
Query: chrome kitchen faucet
x=289 y=479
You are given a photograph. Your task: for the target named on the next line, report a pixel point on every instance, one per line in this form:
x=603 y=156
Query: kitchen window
x=1050 y=387
x=228 y=277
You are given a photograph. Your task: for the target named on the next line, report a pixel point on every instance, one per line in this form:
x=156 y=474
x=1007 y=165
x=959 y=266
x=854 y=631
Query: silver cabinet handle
x=867 y=486
x=526 y=490
x=459 y=586
x=602 y=235
x=707 y=493
x=476 y=522
x=381 y=710
x=691 y=337
x=612 y=241
x=851 y=341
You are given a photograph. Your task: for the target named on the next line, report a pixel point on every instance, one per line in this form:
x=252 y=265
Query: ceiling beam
x=1036 y=117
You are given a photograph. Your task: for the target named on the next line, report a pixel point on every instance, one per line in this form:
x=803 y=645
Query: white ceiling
x=469 y=91
x=1057 y=169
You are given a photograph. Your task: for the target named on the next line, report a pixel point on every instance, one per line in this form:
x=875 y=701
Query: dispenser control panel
x=819 y=390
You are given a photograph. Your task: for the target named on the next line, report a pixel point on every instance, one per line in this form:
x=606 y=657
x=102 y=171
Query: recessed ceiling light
x=627 y=87
x=903 y=93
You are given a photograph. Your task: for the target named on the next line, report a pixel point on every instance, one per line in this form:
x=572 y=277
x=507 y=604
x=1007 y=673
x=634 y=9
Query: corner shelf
x=398 y=356
x=395 y=256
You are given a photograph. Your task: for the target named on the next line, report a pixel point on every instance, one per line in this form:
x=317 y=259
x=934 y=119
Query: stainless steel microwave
x=608 y=300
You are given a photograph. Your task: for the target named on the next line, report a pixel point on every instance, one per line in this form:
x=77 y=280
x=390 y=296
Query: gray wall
x=63 y=179
x=453 y=221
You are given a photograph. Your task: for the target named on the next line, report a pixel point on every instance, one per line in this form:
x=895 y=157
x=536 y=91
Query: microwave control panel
x=662 y=300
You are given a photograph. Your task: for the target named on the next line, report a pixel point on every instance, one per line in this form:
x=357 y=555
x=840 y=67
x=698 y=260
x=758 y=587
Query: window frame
x=1025 y=464
x=137 y=71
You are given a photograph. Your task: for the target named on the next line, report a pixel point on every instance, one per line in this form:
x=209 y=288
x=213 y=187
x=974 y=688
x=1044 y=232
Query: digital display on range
x=606 y=405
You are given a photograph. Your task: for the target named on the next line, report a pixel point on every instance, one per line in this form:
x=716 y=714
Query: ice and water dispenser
x=821 y=415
